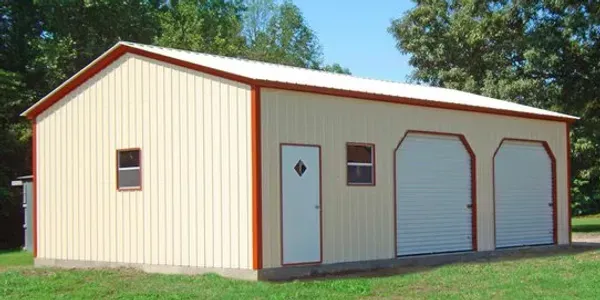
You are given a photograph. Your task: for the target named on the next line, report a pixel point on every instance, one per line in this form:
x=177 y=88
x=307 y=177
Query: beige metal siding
x=193 y=130
x=358 y=222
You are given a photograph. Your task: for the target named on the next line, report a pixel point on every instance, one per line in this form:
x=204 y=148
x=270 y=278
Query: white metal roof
x=300 y=76
x=287 y=74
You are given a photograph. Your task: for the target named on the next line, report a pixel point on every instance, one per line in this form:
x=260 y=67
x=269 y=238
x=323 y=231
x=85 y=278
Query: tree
x=278 y=33
x=19 y=26
x=256 y=18
x=336 y=68
x=210 y=26
x=76 y=32
x=542 y=53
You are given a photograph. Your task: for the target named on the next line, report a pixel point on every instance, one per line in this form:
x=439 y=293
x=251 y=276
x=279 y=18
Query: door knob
x=469 y=206
x=317 y=206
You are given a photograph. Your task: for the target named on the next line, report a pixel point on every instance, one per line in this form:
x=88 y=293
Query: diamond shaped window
x=300 y=168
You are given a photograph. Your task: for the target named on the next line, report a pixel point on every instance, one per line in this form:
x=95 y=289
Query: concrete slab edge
x=322 y=270
x=407 y=262
x=244 y=274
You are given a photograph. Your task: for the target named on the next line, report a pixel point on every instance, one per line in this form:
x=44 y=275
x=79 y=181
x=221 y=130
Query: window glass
x=129 y=158
x=360 y=174
x=129 y=178
x=360 y=164
x=360 y=154
x=129 y=170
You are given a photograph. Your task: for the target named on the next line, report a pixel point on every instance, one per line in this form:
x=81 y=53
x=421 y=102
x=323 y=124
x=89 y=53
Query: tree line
x=542 y=53
x=44 y=42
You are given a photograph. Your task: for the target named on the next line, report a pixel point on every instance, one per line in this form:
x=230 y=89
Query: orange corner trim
x=257 y=262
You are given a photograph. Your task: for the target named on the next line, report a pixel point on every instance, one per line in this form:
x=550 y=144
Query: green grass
x=15 y=258
x=567 y=275
x=586 y=224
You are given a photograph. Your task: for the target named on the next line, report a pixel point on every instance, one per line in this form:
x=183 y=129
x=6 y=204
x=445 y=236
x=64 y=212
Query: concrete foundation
x=363 y=268
x=409 y=264
x=164 y=269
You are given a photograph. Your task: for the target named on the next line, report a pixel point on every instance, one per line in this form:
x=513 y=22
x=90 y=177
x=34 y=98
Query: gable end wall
x=194 y=133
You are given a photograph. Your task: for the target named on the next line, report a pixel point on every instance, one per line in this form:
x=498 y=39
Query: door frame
x=554 y=192
x=281 y=145
x=471 y=153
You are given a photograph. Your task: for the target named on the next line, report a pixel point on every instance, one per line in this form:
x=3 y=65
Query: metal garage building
x=175 y=161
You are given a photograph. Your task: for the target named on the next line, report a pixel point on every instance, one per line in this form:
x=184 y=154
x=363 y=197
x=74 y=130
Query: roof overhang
x=121 y=48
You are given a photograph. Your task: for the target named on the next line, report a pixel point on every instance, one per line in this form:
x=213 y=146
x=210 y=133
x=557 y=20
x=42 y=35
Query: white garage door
x=523 y=195
x=433 y=195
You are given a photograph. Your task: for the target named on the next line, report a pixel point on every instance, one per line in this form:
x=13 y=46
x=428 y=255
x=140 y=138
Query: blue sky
x=354 y=34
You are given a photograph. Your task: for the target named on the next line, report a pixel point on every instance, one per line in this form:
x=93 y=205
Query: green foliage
x=11 y=89
x=210 y=26
x=336 y=68
x=257 y=17
x=278 y=33
x=257 y=29
x=542 y=53
x=18 y=27
x=76 y=32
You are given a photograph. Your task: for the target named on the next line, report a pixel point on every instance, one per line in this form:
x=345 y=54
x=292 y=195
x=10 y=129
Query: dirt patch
x=588 y=237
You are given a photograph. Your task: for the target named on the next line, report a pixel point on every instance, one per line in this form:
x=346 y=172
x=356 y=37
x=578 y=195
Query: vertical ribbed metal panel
x=358 y=222
x=523 y=187
x=433 y=194
x=193 y=130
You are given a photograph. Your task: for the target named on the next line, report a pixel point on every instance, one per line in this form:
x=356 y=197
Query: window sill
x=129 y=189
x=360 y=184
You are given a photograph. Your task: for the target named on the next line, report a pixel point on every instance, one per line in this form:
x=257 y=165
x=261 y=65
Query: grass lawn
x=572 y=274
x=14 y=258
x=586 y=224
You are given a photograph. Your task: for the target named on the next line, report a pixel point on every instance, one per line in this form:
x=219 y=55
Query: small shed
x=25 y=182
x=176 y=161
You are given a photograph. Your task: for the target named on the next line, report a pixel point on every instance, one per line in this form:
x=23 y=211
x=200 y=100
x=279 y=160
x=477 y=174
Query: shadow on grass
x=15 y=250
x=586 y=228
x=425 y=263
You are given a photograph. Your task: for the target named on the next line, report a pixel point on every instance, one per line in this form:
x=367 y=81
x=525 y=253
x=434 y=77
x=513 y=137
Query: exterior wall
x=194 y=133
x=358 y=222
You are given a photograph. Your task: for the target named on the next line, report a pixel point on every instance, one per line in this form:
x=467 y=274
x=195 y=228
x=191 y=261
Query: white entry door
x=301 y=204
x=433 y=195
x=523 y=195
